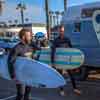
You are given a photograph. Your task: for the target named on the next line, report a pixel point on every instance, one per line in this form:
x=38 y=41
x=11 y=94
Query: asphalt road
x=90 y=91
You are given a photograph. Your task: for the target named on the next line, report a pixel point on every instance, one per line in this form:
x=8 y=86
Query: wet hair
x=23 y=31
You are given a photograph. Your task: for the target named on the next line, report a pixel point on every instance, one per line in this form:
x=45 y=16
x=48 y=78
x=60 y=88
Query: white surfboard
x=32 y=73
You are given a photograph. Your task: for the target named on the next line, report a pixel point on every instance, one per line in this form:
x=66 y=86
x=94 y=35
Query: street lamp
x=21 y=7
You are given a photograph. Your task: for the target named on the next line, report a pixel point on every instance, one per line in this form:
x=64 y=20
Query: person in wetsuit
x=62 y=42
x=24 y=49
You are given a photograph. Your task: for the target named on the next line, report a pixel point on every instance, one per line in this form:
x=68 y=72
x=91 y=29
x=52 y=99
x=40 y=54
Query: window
x=98 y=18
x=88 y=12
x=77 y=27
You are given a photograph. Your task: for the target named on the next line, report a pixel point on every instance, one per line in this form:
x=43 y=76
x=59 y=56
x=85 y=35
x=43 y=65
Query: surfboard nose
x=33 y=73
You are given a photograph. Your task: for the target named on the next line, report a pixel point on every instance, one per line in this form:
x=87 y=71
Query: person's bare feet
x=62 y=93
x=77 y=91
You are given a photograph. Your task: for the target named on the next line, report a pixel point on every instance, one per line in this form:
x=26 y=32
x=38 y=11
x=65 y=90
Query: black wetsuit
x=64 y=43
x=23 y=50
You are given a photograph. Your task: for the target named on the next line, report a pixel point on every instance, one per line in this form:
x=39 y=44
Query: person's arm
x=53 y=50
x=35 y=46
x=68 y=42
x=70 y=45
x=11 y=60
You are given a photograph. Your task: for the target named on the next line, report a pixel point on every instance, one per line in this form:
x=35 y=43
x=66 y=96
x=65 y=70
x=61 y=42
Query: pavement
x=90 y=91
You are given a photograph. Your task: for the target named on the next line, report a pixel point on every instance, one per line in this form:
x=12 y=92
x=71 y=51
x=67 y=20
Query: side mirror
x=2 y=51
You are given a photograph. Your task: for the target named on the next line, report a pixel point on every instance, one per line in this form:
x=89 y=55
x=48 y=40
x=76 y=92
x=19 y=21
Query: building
x=14 y=29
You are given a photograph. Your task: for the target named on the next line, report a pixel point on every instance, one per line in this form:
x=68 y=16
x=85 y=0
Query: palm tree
x=47 y=17
x=62 y=13
x=26 y=19
x=57 y=16
x=16 y=21
x=51 y=17
x=1 y=6
x=10 y=22
x=65 y=5
x=54 y=20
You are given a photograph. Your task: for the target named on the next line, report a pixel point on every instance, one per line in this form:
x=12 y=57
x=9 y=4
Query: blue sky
x=35 y=9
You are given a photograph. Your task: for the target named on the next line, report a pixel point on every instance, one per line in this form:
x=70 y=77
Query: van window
x=98 y=18
x=88 y=12
x=77 y=27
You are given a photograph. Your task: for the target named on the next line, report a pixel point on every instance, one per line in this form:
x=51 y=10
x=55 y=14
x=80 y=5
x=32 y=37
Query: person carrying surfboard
x=64 y=42
x=24 y=49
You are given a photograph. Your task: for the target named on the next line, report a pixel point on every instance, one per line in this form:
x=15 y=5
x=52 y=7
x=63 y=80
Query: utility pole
x=47 y=18
x=21 y=7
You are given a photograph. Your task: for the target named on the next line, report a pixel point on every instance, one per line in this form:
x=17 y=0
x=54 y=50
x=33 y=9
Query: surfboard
x=32 y=73
x=65 y=58
x=96 y=23
x=2 y=51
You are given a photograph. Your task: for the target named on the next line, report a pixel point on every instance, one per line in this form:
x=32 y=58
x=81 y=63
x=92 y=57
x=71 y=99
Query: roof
x=2 y=24
x=39 y=25
x=74 y=12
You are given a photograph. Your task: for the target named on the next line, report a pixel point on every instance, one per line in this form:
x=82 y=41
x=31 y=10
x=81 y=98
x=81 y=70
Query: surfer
x=63 y=42
x=24 y=49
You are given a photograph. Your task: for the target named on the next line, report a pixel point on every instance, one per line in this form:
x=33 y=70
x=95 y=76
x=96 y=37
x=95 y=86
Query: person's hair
x=23 y=31
x=61 y=26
